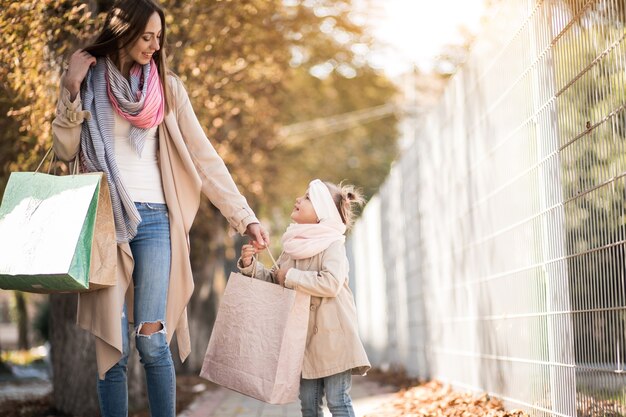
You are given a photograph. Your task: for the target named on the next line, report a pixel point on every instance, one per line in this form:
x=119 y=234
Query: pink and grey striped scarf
x=138 y=100
x=104 y=92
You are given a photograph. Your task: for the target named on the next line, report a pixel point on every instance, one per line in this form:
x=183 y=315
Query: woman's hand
x=77 y=68
x=247 y=252
x=259 y=236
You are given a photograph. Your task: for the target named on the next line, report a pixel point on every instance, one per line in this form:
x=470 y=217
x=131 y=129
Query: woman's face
x=146 y=44
x=303 y=211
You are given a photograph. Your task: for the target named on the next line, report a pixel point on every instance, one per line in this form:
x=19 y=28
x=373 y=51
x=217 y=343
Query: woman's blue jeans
x=152 y=254
x=337 y=389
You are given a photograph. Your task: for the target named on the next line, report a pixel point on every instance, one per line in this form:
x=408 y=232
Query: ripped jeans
x=152 y=254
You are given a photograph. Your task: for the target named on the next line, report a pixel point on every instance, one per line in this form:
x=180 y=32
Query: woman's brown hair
x=347 y=199
x=123 y=25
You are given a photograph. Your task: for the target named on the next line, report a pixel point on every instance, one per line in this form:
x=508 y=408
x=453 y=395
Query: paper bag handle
x=271 y=257
x=254 y=260
x=44 y=160
x=75 y=164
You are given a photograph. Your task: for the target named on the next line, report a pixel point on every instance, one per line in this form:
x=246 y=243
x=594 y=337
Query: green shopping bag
x=57 y=233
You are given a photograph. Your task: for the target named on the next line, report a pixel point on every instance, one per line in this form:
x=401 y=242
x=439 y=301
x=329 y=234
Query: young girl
x=314 y=261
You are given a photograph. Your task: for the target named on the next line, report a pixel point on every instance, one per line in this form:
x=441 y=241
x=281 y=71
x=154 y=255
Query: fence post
x=552 y=238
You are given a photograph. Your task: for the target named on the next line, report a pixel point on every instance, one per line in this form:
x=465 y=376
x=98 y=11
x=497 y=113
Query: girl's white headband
x=323 y=203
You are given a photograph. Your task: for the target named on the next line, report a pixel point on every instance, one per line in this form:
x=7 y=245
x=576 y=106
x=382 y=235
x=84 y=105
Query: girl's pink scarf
x=302 y=241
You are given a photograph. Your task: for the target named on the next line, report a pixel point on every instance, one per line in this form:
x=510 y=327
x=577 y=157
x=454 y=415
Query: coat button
x=315 y=329
x=312 y=307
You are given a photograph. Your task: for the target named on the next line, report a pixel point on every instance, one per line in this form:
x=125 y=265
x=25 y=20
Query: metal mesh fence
x=493 y=256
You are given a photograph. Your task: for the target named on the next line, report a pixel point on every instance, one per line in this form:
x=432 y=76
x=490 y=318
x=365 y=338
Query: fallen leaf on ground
x=436 y=399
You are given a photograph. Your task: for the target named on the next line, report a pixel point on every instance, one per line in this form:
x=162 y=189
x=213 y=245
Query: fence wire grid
x=493 y=256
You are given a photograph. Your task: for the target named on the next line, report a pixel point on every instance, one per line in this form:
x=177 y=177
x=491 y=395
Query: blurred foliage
x=453 y=55
x=608 y=11
x=360 y=155
x=248 y=67
x=24 y=356
x=249 y=71
x=34 y=35
x=592 y=130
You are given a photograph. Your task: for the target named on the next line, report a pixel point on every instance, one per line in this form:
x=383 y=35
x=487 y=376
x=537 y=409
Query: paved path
x=366 y=396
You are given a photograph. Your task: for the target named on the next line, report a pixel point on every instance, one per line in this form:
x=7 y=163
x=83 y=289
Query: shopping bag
x=258 y=340
x=57 y=233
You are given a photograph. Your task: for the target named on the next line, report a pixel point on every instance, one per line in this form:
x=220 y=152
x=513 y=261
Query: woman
x=123 y=114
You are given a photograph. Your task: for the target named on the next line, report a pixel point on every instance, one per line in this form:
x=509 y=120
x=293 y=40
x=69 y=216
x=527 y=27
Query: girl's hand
x=77 y=68
x=247 y=252
x=281 y=275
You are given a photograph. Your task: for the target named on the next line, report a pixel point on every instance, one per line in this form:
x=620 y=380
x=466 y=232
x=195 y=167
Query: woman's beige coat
x=189 y=165
x=332 y=342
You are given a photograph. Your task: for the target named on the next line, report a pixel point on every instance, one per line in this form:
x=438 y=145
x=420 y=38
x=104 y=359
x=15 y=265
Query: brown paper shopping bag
x=257 y=343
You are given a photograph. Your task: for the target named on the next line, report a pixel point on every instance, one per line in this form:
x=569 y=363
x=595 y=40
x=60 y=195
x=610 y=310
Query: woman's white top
x=141 y=175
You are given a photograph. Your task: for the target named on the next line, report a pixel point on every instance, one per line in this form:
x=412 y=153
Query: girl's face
x=303 y=211
x=146 y=44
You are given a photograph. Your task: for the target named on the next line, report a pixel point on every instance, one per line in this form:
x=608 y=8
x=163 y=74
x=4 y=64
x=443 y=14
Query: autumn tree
x=249 y=71
x=250 y=67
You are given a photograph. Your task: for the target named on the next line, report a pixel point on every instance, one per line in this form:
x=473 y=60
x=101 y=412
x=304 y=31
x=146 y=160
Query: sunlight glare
x=414 y=31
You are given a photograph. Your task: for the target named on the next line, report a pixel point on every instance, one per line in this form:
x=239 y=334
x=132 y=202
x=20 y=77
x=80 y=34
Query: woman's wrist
x=72 y=87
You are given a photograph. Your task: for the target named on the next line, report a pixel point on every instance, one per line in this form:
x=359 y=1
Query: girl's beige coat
x=332 y=343
x=189 y=164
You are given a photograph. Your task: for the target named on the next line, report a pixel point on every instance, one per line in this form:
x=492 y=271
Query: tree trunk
x=22 y=321
x=73 y=360
x=75 y=373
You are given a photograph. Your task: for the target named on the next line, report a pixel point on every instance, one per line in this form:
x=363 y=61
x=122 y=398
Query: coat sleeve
x=261 y=271
x=324 y=283
x=67 y=124
x=217 y=183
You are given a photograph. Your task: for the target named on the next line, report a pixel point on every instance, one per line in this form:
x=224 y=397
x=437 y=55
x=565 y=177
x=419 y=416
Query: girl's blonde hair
x=347 y=199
